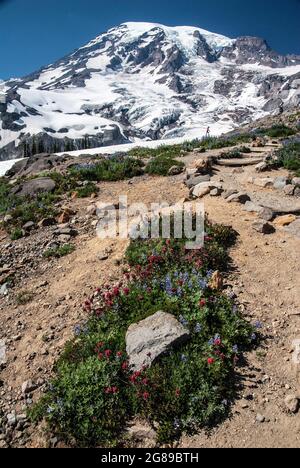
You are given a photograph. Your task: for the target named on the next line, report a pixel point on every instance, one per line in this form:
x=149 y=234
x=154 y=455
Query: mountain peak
x=145 y=80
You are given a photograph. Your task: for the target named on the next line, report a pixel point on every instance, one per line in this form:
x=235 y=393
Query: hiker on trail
x=208 y=132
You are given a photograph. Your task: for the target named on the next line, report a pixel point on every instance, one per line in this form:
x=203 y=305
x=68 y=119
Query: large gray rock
x=264 y=213
x=239 y=197
x=280 y=182
x=149 y=339
x=294 y=228
x=34 y=186
x=195 y=180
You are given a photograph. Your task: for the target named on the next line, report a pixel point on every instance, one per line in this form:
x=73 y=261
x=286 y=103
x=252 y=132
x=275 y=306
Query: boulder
x=149 y=339
x=239 y=197
x=195 y=180
x=34 y=186
x=296 y=181
x=263 y=227
x=280 y=183
x=175 y=170
x=47 y=222
x=228 y=193
x=203 y=165
x=285 y=220
x=204 y=188
x=264 y=182
x=261 y=167
x=289 y=190
x=292 y=403
x=264 y=213
x=294 y=228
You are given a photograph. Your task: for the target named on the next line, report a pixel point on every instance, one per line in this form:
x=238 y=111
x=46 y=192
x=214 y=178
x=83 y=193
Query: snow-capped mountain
x=143 y=81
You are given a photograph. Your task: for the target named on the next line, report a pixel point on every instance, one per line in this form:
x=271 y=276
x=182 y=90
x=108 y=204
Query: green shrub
x=16 y=234
x=58 y=252
x=161 y=165
x=95 y=393
x=24 y=297
x=111 y=169
x=87 y=190
x=277 y=131
x=289 y=157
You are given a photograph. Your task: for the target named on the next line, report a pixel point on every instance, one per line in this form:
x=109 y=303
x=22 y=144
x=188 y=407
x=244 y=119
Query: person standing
x=208 y=132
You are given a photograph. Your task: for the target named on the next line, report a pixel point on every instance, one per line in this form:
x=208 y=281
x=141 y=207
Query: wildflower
x=126 y=291
x=50 y=410
x=145 y=382
x=211 y=342
x=100 y=356
x=235 y=349
x=253 y=336
x=119 y=354
x=224 y=402
x=258 y=325
x=116 y=292
x=125 y=365
x=176 y=423
x=146 y=395
x=198 y=328
x=210 y=361
x=202 y=303
x=184 y=358
x=183 y=321
x=217 y=342
x=77 y=330
x=177 y=392
x=107 y=353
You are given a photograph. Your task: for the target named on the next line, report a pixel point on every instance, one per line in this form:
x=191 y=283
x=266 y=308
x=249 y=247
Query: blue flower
x=258 y=325
x=184 y=358
x=253 y=336
x=183 y=321
x=235 y=349
x=224 y=402
x=198 y=328
x=77 y=330
x=211 y=342
x=50 y=410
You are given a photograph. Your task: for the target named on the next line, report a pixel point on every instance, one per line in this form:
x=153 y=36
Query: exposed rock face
x=142 y=80
x=149 y=339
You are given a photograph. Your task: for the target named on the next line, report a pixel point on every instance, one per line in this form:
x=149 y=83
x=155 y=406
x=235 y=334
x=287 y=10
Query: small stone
x=29 y=226
x=261 y=167
x=260 y=418
x=175 y=170
x=228 y=193
x=11 y=419
x=28 y=387
x=263 y=227
x=292 y=403
x=91 y=210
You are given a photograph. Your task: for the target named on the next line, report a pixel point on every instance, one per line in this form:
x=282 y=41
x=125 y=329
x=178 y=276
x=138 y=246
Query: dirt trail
x=266 y=281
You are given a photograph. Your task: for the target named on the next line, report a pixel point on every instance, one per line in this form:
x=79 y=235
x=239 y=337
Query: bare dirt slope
x=266 y=280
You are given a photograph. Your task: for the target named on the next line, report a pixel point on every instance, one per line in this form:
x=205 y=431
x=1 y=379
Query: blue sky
x=35 y=33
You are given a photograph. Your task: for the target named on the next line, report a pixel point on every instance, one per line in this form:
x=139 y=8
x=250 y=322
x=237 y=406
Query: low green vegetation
x=277 y=131
x=24 y=297
x=289 y=157
x=95 y=392
x=16 y=234
x=161 y=165
x=111 y=169
x=60 y=251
